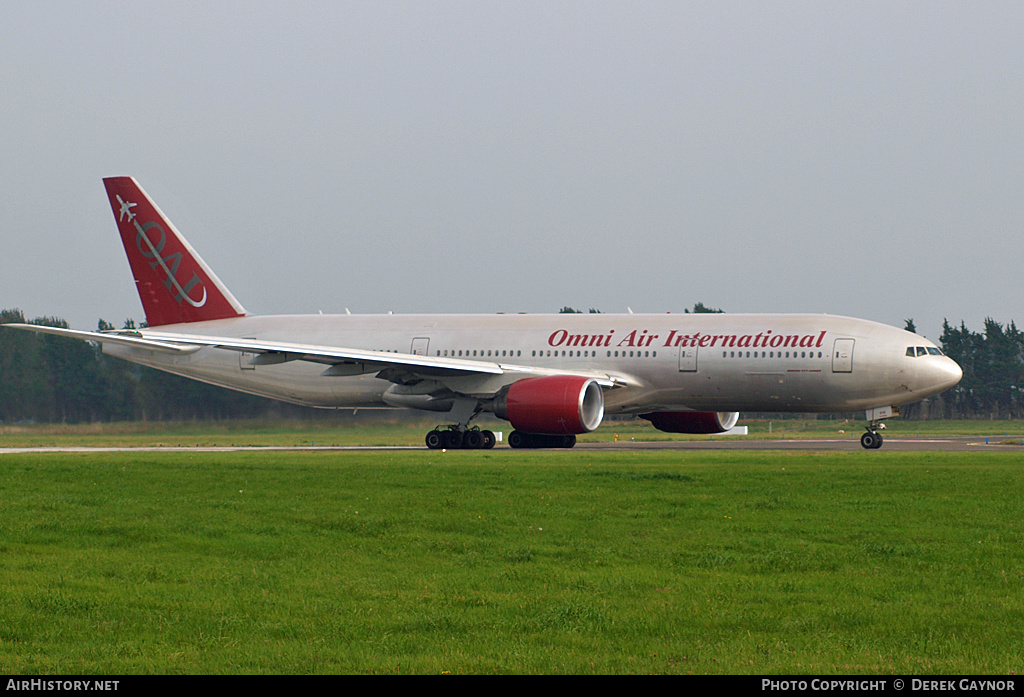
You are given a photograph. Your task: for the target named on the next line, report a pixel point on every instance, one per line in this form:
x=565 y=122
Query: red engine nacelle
x=560 y=404
x=693 y=421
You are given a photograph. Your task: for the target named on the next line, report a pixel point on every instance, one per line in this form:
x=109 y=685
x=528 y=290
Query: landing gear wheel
x=452 y=439
x=472 y=440
x=435 y=440
x=489 y=439
x=871 y=440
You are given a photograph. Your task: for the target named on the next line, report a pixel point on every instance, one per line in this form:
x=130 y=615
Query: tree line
x=52 y=379
x=993 y=365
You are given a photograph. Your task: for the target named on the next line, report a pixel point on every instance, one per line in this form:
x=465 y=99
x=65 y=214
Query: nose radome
x=948 y=373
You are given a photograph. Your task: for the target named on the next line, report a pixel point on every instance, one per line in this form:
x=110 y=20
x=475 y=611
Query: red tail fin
x=174 y=283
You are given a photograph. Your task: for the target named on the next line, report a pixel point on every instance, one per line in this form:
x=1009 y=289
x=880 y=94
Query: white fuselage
x=550 y=376
x=699 y=362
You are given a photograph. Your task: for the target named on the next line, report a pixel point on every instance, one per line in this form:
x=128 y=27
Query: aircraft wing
x=396 y=367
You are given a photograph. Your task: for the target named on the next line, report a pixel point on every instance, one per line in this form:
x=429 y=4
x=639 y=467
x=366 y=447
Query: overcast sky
x=858 y=158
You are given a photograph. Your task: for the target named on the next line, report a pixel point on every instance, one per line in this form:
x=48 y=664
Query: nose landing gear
x=872 y=439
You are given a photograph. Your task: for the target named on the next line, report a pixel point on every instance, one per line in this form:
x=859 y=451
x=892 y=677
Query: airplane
x=552 y=376
x=126 y=209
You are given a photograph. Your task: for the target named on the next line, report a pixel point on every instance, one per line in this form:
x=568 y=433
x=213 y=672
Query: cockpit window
x=915 y=351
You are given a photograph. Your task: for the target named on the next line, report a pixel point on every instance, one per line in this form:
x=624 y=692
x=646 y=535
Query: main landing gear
x=459 y=436
x=518 y=439
x=872 y=439
x=451 y=438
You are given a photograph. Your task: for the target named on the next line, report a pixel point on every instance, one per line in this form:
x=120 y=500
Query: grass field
x=511 y=562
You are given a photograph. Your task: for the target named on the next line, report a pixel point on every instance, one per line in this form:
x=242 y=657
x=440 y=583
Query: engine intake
x=560 y=404
x=693 y=421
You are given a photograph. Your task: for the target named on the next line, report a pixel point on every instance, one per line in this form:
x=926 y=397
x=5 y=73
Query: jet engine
x=693 y=421
x=559 y=404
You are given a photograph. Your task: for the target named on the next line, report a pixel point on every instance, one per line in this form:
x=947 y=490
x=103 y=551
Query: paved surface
x=948 y=444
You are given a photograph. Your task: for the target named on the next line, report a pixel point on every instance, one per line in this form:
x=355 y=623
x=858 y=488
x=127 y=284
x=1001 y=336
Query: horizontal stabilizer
x=122 y=338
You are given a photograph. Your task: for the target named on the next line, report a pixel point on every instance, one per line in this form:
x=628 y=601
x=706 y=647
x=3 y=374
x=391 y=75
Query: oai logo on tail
x=153 y=251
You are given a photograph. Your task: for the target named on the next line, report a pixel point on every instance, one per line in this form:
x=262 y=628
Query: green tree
x=701 y=308
x=993 y=365
x=73 y=370
x=25 y=394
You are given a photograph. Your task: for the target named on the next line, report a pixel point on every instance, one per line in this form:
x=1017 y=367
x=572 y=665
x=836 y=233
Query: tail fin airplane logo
x=126 y=209
x=164 y=263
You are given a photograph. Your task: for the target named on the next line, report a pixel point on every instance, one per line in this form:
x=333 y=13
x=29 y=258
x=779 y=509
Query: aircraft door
x=420 y=346
x=842 y=356
x=687 y=359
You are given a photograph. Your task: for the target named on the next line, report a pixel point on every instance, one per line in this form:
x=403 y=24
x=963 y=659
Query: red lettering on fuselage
x=641 y=338
x=562 y=337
